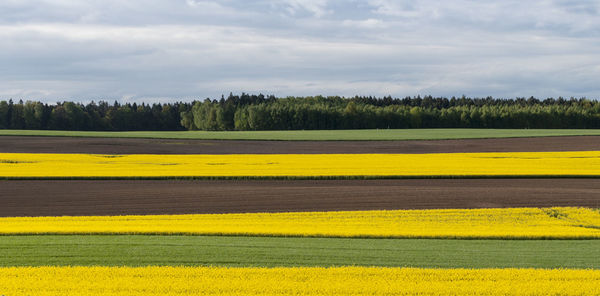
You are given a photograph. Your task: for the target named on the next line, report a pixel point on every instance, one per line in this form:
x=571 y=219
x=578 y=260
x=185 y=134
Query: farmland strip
x=335 y=135
x=139 y=197
x=89 y=166
x=511 y=223
x=20 y=144
x=294 y=281
x=174 y=250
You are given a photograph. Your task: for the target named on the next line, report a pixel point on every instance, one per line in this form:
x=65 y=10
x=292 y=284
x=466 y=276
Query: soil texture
x=121 y=197
x=11 y=144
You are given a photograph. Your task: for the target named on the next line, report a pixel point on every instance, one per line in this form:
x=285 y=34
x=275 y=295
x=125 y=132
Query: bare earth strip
x=117 y=197
x=14 y=144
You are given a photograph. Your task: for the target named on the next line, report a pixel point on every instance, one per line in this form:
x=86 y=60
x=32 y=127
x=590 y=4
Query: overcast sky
x=165 y=50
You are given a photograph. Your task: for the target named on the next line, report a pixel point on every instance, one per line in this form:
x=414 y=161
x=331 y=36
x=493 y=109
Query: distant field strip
x=510 y=223
x=294 y=281
x=24 y=165
x=248 y=251
x=315 y=135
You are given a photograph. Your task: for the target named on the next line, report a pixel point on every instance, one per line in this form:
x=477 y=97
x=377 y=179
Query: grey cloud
x=166 y=50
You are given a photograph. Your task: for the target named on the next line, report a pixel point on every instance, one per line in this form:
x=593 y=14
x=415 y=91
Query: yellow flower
x=50 y=281
x=301 y=165
x=565 y=222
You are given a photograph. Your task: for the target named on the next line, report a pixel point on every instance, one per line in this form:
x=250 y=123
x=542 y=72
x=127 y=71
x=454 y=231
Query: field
x=300 y=166
x=295 y=281
x=482 y=216
x=509 y=223
x=322 y=135
x=13 y=144
x=142 y=197
x=242 y=251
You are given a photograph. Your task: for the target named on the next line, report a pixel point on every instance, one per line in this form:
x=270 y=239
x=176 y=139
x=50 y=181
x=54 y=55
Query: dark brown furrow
x=10 y=144
x=119 y=197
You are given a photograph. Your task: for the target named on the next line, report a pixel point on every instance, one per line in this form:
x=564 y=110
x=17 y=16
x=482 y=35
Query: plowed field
x=15 y=144
x=116 y=197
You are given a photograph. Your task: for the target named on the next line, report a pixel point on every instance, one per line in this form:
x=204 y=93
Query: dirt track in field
x=55 y=198
x=11 y=144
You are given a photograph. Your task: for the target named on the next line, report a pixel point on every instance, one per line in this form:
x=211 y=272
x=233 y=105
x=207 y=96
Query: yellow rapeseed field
x=165 y=281
x=567 y=222
x=301 y=165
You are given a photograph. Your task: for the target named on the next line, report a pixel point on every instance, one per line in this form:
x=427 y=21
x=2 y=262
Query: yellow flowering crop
x=565 y=222
x=165 y=281
x=301 y=165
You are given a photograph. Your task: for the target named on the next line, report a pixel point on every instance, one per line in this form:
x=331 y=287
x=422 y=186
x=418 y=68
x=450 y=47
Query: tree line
x=296 y=113
x=259 y=112
x=100 y=116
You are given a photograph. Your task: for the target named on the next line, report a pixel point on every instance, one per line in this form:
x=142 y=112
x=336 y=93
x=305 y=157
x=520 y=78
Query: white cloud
x=316 y=7
x=370 y=23
x=163 y=49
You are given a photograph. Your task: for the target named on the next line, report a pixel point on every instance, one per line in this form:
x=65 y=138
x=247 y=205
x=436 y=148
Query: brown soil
x=56 y=198
x=10 y=144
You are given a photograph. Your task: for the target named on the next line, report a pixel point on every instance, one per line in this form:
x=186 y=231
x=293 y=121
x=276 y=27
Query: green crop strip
x=144 y=250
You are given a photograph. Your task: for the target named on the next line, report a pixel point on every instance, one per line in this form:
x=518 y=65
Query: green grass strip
x=321 y=135
x=144 y=250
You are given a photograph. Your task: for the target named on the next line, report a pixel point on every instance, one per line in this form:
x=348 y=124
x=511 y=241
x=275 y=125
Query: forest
x=259 y=112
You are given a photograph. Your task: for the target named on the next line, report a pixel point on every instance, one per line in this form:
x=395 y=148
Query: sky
x=173 y=50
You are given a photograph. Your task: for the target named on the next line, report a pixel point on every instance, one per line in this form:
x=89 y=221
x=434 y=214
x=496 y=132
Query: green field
x=321 y=135
x=141 y=250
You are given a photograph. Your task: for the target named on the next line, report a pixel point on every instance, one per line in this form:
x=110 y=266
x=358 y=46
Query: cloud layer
x=164 y=50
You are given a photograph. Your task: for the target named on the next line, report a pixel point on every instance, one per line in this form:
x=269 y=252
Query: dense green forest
x=93 y=117
x=259 y=112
